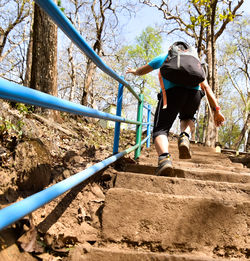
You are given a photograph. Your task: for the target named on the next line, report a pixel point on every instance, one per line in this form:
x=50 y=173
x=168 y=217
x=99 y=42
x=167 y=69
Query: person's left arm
x=218 y=116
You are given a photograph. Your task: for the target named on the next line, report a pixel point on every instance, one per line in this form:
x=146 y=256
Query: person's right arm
x=154 y=64
x=140 y=71
x=218 y=116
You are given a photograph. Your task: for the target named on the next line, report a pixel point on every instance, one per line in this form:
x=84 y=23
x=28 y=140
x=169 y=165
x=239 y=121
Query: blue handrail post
x=149 y=126
x=118 y=113
x=139 y=127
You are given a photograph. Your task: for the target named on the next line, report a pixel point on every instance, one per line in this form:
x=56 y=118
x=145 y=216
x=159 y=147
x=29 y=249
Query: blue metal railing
x=18 y=93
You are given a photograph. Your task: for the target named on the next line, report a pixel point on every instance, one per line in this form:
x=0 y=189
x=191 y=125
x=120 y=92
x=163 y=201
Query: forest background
x=129 y=34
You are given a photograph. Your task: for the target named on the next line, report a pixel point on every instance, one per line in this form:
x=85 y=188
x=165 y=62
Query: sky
x=148 y=16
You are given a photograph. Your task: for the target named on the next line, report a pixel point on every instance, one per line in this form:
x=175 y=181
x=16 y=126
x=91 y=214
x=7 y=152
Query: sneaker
x=184 y=147
x=165 y=167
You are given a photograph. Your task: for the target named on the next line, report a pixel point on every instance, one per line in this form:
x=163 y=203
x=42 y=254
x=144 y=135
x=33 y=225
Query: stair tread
x=115 y=254
x=173 y=221
x=194 y=173
x=179 y=186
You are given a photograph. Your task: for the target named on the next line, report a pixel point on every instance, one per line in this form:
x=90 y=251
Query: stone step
x=185 y=187
x=238 y=167
x=234 y=167
x=177 y=223
x=115 y=254
x=194 y=173
x=196 y=149
x=197 y=158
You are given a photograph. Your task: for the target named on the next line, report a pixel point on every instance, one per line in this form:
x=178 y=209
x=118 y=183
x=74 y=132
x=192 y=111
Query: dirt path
x=127 y=213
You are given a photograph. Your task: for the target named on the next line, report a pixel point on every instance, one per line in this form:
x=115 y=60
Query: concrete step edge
x=177 y=197
x=114 y=253
x=194 y=173
x=176 y=223
x=175 y=186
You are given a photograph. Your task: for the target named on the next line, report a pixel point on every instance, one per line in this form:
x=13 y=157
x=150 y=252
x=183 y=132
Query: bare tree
x=14 y=17
x=22 y=9
x=44 y=57
x=27 y=77
x=98 y=11
x=235 y=64
x=205 y=22
x=98 y=22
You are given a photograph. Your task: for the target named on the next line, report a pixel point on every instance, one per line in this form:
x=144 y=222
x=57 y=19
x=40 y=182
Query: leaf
x=28 y=241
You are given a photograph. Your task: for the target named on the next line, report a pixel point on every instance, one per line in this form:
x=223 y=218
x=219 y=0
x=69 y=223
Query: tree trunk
x=72 y=73
x=243 y=133
x=197 y=130
x=44 y=57
x=44 y=60
x=90 y=70
x=205 y=123
x=27 y=78
x=248 y=142
x=212 y=132
x=2 y=41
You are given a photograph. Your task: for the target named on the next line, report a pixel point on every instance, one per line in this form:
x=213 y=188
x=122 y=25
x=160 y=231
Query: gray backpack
x=183 y=66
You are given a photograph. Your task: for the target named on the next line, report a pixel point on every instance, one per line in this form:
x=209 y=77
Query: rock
x=96 y=190
x=32 y=163
x=72 y=159
x=77 y=253
x=66 y=173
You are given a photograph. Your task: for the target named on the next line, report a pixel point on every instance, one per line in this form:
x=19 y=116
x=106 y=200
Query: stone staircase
x=202 y=213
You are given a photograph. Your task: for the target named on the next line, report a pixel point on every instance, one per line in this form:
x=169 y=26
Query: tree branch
x=220 y=31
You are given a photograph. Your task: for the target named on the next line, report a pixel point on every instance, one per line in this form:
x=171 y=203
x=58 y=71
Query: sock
x=184 y=134
x=163 y=155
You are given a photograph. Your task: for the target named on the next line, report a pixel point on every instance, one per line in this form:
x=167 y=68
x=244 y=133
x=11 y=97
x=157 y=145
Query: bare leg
x=187 y=126
x=161 y=144
x=183 y=141
x=165 y=167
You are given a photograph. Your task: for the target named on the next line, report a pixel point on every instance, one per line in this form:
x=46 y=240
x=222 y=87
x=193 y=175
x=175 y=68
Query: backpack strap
x=164 y=94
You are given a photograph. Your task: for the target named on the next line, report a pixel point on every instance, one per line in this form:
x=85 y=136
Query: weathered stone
x=194 y=173
x=32 y=162
x=185 y=187
x=175 y=222
x=115 y=254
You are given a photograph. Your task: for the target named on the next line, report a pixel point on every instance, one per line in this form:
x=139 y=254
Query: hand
x=131 y=70
x=218 y=118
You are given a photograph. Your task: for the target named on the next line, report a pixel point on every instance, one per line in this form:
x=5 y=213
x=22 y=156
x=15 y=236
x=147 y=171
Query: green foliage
x=228 y=134
x=226 y=16
x=234 y=75
x=201 y=127
x=59 y=4
x=203 y=17
x=7 y=128
x=148 y=46
x=232 y=110
x=24 y=109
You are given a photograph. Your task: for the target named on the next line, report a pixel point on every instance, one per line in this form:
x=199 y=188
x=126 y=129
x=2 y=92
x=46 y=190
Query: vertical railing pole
x=139 y=127
x=118 y=113
x=149 y=126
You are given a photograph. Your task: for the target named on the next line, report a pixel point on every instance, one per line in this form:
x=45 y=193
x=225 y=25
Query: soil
x=41 y=153
x=37 y=152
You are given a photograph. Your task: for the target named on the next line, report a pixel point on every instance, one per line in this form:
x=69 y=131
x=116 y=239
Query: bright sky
x=149 y=16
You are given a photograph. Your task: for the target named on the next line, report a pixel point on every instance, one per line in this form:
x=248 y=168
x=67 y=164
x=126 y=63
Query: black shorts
x=179 y=100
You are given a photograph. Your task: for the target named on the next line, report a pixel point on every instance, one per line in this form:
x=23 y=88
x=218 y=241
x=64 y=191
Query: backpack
x=182 y=65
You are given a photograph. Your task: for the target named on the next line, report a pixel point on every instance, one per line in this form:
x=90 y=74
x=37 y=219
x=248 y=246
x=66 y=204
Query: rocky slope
x=124 y=212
